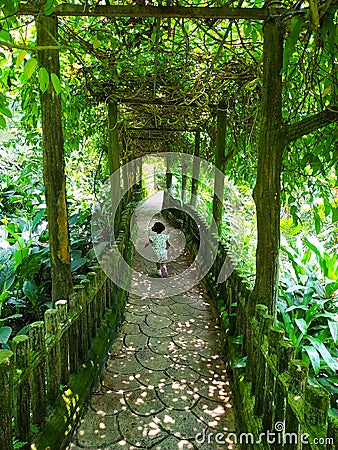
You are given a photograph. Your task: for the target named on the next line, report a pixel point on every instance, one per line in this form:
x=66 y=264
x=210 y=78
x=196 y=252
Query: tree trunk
x=217 y=207
x=267 y=189
x=54 y=163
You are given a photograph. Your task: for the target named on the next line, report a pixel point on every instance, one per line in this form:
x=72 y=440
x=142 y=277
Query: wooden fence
x=47 y=376
x=278 y=409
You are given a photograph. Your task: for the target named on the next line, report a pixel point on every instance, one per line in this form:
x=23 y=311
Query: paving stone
x=108 y=403
x=142 y=432
x=182 y=424
x=163 y=346
x=153 y=361
x=130 y=328
x=173 y=443
x=189 y=341
x=134 y=318
x=120 y=382
x=156 y=321
x=97 y=430
x=215 y=414
x=177 y=395
x=213 y=388
x=154 y=332
x=135 y=342
x=144 y=402
x=127 y=364
x=161 y=310
x=153 y=378
x=182 y=373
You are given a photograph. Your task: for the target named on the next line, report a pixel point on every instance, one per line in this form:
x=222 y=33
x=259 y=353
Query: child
x=160 y=244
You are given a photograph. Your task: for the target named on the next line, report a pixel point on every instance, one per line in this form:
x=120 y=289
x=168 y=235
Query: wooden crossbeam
x=193 y=12
x=162 y=130
x=157 y=101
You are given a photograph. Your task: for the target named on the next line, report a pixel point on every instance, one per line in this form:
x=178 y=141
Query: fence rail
x=278 y=409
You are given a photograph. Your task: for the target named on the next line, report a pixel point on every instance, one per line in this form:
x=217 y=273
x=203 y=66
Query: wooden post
x=61 y=307
x=217 y=207
x=169 y=175
x=184 y=179
x=6 y=399
x=20 y=347
x=53 y=358
x=53 y=162
x=195 y=169
x=114 y=158
x=38 y=376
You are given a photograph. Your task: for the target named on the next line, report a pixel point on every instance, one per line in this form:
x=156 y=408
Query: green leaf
x=56 y=83
x=2 y=122
x=325 y=354
x=290 y=45
x=30 y=291
x=5 y=333
x=6 y=112
x=302 y=325
x=49 y=7
x=96 y=43
x=77 y=263
x=334 y=215
x=314 y=357
x=334 y=330
x=29 y=67
x=239 y=363
x=20 y=58
x=43 y=78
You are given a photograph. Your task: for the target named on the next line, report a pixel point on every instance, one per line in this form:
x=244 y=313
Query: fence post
x=38 y=376
x=22 y=394
x=6 y=398
x=61 y=307
x=53 y=356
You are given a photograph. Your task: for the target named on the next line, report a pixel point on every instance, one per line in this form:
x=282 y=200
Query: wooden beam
x=192 y=12
x=157 y=101
x=163 y=130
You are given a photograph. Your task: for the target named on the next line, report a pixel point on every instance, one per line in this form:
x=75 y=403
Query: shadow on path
x=165 y=385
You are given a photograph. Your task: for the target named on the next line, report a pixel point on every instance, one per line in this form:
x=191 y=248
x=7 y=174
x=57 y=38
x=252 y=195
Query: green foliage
x=308 y=309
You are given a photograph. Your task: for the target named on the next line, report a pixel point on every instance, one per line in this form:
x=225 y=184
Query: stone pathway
x=165 y=386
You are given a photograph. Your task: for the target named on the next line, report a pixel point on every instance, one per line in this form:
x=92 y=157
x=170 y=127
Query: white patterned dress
x=159 y=245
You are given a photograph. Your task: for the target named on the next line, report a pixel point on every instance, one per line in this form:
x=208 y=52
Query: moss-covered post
x=217 y=207
x=21 y=350
x=268 y=183
x=184 y=178
x=53 y=160
x=195 y=169
x=6 y=399
x=114 y=156
x=169 y=174
x=38 y=376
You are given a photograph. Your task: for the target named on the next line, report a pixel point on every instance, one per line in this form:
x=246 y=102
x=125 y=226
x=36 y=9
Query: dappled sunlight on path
x=165 y=384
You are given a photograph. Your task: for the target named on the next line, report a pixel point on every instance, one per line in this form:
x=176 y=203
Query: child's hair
x=158 y=227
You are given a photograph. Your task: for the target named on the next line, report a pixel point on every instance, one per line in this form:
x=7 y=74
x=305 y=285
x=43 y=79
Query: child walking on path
x=160 y=244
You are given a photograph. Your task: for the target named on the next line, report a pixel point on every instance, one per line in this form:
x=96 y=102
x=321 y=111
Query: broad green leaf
x=239 y=363
x=314 y=357
x=334 y=330
x=6 y=112
x=5 y=36
x=43 y=78
x=96 y=43
x=29 y=67
x=334 y=215
x=5 y=333
x=77 y=263
x=20 y=58
x=2 y=122
x=290 y=45
x=302 y=325
x=325 y=354
x=49 y=7
x=30 y=291
x=56 y=83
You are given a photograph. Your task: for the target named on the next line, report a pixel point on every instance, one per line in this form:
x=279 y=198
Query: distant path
x=165 y=382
